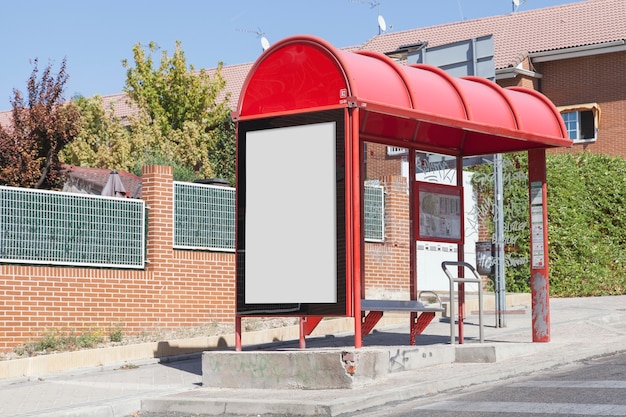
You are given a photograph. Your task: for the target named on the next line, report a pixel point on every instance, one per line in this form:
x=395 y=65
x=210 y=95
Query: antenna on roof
x=259 y=34
x=382 y=25
x=517 y=4
x=458 y=2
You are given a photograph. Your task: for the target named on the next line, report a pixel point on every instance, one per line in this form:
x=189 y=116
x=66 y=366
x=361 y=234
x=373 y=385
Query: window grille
x=49 y=227
x=374 y=213
x=204 y=217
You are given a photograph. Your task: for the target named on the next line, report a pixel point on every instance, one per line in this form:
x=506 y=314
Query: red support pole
x=302 y=338
x=539 y=277
x=238 y=333
x=461 y=258
x=413 y=288
x=354 y=240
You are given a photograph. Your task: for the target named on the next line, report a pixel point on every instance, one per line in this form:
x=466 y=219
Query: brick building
x=571 y=53
x=574 y=54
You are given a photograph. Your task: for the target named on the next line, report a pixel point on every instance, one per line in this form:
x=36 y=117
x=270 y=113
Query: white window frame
x=396 y=151
x=577 y=110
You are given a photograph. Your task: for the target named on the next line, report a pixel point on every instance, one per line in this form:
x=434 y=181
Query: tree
x=39 y=129
x=223 y=156
x=181 y=103
x=178 y=121
x=103 y=142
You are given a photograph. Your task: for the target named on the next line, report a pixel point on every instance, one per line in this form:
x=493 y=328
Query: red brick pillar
x=158 y=193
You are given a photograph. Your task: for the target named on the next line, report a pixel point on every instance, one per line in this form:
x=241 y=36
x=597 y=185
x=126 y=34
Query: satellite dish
x=517 y=4
x=264 y=43
x=381 y=23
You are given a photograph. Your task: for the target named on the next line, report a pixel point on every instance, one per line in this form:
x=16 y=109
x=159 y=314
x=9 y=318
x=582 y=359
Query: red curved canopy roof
x=417 y=106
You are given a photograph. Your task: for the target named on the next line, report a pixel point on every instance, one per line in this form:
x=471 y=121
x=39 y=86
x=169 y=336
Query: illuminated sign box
x=291 y=215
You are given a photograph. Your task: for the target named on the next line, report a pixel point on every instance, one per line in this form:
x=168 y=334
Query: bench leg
x=310 y=323
x=371 y=319
x=419 y=324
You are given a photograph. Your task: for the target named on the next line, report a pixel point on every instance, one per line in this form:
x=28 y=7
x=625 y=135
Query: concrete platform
x=396 y=372
x=331 y=368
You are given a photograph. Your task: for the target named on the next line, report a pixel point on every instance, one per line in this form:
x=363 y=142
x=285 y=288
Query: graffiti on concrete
x=254 y=366
x=398 y=361
x=296 y=370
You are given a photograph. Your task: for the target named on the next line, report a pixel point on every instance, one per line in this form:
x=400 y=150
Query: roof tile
x=517 y=34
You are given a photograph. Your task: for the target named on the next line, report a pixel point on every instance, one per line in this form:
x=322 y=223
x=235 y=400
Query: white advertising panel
x=290 y=219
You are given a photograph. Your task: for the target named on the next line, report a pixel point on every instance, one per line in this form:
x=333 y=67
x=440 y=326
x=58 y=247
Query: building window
x=581 y=122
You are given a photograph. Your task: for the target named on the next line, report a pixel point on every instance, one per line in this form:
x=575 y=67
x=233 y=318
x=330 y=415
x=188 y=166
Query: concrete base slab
x=316 y=368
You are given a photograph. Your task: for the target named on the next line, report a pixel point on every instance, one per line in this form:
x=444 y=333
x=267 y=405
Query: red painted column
x=413 y=290
x=460 y=258
x=238 y=345
x=539 y=278
x=354 y=238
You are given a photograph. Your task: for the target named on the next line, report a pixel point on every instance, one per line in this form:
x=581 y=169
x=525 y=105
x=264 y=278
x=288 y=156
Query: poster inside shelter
x=440 y=209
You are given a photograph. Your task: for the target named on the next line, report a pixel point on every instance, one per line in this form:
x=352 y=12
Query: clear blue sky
x=94 y=36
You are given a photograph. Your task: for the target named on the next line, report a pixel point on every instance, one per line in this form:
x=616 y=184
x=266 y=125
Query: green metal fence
x=204 y=217
x=374 y=213
x=47 y=227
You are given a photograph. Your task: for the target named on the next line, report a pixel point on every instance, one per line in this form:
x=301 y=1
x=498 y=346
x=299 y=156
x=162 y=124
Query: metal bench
x=421 y=314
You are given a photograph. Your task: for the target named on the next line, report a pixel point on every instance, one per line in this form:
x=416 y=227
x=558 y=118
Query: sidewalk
x=580 y=328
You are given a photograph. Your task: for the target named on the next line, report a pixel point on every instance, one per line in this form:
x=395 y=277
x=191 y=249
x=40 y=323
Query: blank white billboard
x=291 y=215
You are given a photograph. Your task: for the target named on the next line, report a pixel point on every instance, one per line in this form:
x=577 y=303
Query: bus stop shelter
x=305 y=110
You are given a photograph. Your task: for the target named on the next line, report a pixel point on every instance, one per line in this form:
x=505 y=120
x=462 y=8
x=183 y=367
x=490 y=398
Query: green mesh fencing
x=47 y=227
x=204 y=217
x=374 y=213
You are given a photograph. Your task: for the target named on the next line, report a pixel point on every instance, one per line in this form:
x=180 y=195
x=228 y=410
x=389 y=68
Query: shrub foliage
x=586 y=223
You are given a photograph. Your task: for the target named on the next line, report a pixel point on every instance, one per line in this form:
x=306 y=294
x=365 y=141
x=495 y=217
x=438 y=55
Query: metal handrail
x=453 y=279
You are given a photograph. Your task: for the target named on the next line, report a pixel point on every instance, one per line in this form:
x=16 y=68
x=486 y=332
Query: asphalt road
x=592 y=388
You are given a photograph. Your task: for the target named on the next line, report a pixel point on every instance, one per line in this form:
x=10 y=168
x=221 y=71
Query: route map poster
x=439 y=212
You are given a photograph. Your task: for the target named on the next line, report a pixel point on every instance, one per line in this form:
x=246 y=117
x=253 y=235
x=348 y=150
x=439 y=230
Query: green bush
x=58 y=340
x=179 y=171
x=586 y=223
x=116 y=333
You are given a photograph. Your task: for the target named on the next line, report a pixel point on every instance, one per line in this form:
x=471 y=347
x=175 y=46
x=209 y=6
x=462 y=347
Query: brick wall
x=177 y=289
x=598 y=79
x=387 y=264
x=378 y=164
